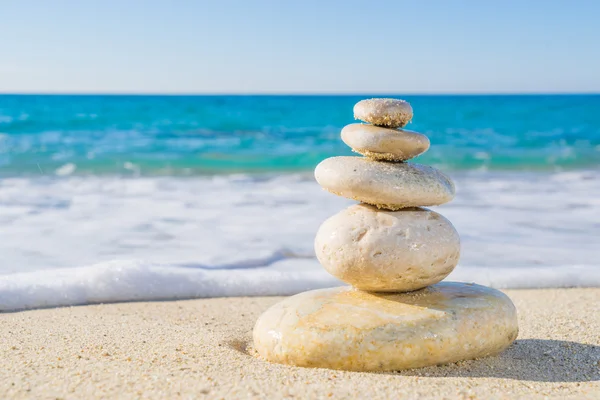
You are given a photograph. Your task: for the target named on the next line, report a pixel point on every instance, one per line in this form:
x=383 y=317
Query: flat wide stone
x=393 y=113
x=392 y=251
x=386 y=185
x=344 y=328
x=386 y=144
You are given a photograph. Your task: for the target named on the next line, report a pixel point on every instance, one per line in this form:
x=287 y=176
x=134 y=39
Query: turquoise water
x=188 y=135
x=96 y=204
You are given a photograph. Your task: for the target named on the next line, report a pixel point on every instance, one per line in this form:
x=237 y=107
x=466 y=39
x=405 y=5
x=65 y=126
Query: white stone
x=378 y=250
x=392 y=113
x=380 y=143
x=344 y=328
x=386 y=185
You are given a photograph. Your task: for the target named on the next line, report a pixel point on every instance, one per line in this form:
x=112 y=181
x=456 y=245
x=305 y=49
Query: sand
x=200 y=349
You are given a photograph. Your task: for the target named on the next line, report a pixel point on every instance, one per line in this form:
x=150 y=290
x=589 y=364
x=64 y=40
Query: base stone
x=347 y=329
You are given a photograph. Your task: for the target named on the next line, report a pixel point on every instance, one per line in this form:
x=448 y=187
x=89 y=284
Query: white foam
x=123 y=280
x=115 y=281
x=66 y=169
x=61 y=239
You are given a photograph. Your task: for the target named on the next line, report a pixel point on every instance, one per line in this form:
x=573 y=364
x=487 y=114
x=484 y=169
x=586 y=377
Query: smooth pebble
x=386 y=185
x=379 y=250
x=392 y=113
x=344 y=328
x=387 y=144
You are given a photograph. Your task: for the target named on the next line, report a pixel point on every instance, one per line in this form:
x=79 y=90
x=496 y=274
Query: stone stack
x=396 y=315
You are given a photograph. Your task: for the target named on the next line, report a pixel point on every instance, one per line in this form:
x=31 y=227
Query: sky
x=293 y=46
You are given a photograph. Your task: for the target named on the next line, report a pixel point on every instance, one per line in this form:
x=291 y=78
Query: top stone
x=391 y=113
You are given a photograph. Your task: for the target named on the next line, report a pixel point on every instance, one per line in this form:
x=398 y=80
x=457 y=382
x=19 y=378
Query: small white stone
x=386 y=185
x=344 y=328
x=387 y=144
x=378 y=250
x=392 y=113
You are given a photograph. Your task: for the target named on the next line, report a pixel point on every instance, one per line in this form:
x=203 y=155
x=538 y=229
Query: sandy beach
x=202 y=349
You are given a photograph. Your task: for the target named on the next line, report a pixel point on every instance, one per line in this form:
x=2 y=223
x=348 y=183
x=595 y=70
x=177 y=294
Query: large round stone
x=389 y=251
x=344 y=328
x=386 y=185
x=392 y=113
x=387 y=144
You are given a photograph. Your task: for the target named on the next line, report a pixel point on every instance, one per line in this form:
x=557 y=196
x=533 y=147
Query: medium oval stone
x=386 y=185
x=392 y=113
x=378 y=250
x=344 y=328
x=387 y=144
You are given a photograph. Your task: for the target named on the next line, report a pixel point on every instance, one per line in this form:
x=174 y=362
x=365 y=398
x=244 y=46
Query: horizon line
x=299 y=94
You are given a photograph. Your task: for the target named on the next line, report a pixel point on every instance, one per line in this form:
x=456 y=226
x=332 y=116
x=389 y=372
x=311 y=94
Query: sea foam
x=80 y=240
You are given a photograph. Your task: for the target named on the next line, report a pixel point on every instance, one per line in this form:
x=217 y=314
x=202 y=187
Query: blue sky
x=309 y=46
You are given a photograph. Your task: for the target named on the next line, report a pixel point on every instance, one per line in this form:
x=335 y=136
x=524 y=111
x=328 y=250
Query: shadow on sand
x=537 y=360
x=528 y=360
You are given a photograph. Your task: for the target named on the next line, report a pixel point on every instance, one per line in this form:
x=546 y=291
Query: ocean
x=119 y=198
